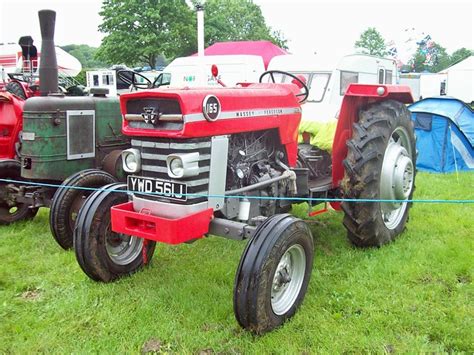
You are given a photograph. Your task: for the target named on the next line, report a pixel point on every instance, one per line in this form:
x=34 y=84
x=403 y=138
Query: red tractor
x=226 y=162
x=12 y=99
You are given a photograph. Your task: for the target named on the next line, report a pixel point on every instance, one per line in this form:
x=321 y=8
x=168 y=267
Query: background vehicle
x=226 y=162
x=71 y=140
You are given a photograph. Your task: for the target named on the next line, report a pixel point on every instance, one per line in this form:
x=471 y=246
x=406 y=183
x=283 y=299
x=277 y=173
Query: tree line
x=153 y=32
x=429 y=55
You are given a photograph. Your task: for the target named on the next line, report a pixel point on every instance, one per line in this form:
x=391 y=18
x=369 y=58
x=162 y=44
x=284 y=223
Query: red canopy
x=265 y=49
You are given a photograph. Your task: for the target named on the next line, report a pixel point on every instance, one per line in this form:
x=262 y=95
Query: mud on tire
x=380 y=164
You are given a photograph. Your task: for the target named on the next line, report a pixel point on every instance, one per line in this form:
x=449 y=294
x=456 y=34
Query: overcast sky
x=310 y=26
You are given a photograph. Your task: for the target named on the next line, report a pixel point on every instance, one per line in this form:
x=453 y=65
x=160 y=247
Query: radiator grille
x=153 y=153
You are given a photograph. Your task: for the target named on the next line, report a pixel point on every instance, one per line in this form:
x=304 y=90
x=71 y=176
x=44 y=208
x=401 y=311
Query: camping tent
x=444 y=129
x=266 y=49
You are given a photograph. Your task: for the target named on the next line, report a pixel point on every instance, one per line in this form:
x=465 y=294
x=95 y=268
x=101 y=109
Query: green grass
x=415 y=294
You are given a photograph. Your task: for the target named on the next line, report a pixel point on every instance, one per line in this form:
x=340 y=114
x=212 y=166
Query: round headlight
x=131 y=162
x=176 y=167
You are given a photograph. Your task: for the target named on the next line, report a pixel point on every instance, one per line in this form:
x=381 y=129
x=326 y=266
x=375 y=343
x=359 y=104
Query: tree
x=371 y=42
x=237 y=20
x=432 y=58
x=85 y=54
x=459 y=55
x=138 y=31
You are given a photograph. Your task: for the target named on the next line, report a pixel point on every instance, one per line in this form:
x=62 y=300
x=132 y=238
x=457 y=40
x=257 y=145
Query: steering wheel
x=302 y=96
x=129 y=78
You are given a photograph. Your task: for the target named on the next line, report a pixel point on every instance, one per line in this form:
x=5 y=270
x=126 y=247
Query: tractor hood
x=201 y=112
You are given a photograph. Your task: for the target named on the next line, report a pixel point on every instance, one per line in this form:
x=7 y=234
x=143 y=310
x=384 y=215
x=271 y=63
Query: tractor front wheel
x=273 y=273
x=68 y=200
x=11 y=210
x=380 y=165
x=101 y=253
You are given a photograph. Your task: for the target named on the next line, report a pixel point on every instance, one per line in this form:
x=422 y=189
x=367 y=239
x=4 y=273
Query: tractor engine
x=252 y=159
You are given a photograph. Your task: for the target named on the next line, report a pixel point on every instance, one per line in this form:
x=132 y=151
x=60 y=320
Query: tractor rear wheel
x=380 y=165
x=273 y=273
x=15 y=88
x=11 y=210
x=101 y=253
x=68 y=200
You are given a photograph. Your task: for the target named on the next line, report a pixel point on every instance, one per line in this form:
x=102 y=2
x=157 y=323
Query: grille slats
x=153 y=153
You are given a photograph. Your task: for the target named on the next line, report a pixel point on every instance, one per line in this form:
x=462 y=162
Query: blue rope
x=300 y=199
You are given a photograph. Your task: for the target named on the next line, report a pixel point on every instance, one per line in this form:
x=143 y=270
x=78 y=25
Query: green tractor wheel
x=68 y=200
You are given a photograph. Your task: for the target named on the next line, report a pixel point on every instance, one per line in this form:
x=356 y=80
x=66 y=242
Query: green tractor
x=74 y=142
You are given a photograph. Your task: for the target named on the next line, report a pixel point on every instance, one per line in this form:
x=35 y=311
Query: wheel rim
x=397 y=177
x=123 y=249
x=288 y=279
x=10 y=210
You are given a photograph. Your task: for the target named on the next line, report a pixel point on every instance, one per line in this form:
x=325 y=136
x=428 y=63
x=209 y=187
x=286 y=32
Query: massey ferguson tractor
x=226 y=162
x=73 y=141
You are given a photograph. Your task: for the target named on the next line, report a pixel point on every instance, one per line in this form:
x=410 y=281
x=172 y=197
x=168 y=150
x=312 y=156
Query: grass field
x=414 y=295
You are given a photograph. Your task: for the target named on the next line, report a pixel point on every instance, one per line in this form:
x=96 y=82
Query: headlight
x=131 y=160
x=183 y=165
x=176 y=167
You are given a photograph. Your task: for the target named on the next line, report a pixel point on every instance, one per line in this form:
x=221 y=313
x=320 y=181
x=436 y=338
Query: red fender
x=11 y=122
x=357 y=97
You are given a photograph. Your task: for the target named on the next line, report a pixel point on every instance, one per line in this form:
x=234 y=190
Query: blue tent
x=444 y=130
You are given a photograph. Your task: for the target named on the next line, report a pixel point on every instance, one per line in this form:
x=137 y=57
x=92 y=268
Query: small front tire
x=101 y=253
x=273 y=274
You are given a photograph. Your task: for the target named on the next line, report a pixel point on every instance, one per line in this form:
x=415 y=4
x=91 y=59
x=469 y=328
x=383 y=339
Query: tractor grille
x=161 y=105
x=153 y=154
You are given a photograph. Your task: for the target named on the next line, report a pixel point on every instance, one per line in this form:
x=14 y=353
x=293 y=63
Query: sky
x=318 y=26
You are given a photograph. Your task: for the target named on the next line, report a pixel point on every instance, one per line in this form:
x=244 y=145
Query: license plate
x=157 y=187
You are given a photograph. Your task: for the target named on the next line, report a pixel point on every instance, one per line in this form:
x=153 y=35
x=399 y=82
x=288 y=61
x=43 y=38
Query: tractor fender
x=357 y=97
x=112 y=164
x=11 y=117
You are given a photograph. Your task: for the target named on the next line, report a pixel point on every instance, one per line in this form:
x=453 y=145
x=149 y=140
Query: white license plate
x=157 y=187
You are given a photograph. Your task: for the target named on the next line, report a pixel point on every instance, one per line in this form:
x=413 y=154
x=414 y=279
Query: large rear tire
x=102 y=254
x=380 y=165
x=68 y=200
x=10 y=210
x=273 y=274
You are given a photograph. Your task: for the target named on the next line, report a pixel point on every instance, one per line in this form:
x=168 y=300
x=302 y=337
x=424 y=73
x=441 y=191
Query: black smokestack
x=48 y=70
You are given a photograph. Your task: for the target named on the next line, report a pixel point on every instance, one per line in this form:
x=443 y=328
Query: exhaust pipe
x=48 y=68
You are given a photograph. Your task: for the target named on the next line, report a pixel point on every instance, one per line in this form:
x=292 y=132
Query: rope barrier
x=296 y=199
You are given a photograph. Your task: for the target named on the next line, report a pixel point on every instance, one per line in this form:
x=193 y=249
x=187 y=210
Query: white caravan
x=425 y=85
x=328 y=79
x=195 y=71
x=460 y=82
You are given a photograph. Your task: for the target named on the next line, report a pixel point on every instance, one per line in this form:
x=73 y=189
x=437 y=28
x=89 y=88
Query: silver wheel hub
x=397 y=177
x=123 y=249
x=288 y=279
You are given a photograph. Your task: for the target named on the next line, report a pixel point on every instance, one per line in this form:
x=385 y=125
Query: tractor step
x=320 y=185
